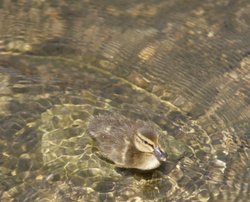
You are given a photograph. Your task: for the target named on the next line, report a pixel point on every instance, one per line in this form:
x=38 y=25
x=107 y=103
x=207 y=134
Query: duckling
x=127 y=143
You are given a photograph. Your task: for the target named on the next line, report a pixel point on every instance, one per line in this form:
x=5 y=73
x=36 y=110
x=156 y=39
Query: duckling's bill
x=160 y=155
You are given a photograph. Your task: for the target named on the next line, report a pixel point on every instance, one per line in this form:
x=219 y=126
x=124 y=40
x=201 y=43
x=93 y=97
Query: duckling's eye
x=145 y=142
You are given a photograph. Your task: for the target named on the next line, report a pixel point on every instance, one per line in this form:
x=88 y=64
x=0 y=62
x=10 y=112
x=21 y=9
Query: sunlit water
x=183 y=64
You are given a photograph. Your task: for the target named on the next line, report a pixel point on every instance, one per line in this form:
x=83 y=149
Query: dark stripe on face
x=145 y=140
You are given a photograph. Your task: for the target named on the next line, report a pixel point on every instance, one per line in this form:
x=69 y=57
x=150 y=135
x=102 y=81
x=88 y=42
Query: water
x=184 y=65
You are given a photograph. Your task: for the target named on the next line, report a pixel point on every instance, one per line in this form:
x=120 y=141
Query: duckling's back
x=109 y=126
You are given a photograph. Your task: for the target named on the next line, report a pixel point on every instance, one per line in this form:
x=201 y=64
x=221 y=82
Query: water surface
x=183 y=64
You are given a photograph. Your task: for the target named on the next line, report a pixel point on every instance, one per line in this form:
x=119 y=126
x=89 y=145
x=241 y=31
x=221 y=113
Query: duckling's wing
x=115 y=151
x=113 y=143
x=113 y=136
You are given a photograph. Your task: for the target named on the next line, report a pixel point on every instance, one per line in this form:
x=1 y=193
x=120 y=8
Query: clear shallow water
x=183 y=65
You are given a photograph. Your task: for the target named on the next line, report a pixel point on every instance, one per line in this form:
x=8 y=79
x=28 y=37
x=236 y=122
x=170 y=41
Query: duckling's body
x=127 y=143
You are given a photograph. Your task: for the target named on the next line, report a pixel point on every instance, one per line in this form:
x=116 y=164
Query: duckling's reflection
x=127 y=143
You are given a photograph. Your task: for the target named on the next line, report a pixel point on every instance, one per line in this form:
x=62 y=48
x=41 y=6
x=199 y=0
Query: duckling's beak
x=160 y=155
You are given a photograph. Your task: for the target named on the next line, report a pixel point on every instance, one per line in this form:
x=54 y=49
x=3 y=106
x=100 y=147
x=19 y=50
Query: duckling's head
x=146 y=140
